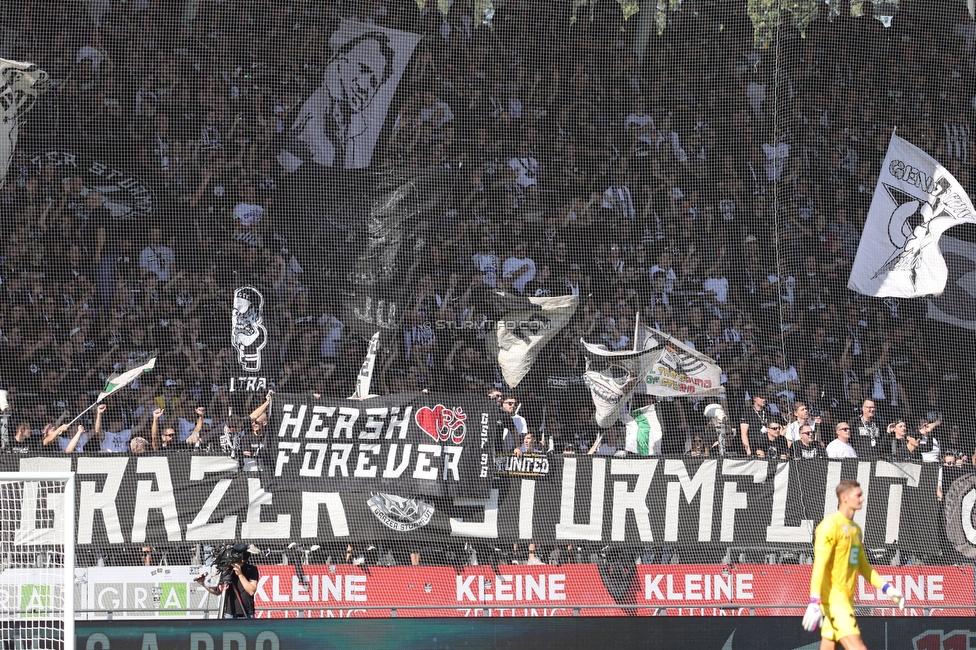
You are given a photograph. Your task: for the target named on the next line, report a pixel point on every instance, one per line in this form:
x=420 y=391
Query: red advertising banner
x=587 y=590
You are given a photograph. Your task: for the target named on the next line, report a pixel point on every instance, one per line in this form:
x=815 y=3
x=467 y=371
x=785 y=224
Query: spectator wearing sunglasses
x=840 y=447
x=806 y=448
x=775 y=446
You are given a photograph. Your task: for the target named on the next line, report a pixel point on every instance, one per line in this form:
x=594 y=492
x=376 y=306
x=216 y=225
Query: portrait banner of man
x=338 y=124
x=20 y=85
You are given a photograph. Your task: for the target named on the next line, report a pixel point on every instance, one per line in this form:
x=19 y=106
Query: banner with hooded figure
x=20 y=86
x=915 y=201
x=338 y=124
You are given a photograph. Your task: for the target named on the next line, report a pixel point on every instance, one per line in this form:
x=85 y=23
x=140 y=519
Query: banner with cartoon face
x=915 y=201
x=680 y=371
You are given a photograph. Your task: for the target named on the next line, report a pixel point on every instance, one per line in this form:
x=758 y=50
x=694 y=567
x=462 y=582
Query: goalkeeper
x=838 y=559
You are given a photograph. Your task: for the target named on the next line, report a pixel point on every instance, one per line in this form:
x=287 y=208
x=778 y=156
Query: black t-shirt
x=255 y=453
x=773 y=448
x=900 y=451
x=31 y=445
x=868 y=439
x=238 y=602
x=801 y=452
x=757 y=421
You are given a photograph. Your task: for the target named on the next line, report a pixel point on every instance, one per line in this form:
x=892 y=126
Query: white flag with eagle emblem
x=915 y=201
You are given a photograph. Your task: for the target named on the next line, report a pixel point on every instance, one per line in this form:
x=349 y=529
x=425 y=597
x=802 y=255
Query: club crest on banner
x=401 y=514
x=442 y=423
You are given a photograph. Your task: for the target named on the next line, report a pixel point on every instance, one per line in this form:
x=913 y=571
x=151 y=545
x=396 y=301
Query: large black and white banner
x=20 y=85
x=915 y=201
x=411 y=443
x=338 y=124
x=957 y=304
x=692 y=505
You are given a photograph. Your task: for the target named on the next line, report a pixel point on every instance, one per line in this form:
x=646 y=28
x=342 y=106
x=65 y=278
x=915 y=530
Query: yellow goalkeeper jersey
x=838 y=559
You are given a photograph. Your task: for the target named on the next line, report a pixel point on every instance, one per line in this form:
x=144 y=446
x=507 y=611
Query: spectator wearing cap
x=170 y=395
x=510 y=426
x=904 y=448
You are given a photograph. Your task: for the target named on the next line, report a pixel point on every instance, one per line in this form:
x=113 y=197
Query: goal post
x=37 y=559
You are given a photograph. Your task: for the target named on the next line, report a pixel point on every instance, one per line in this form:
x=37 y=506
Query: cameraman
x=239 y=581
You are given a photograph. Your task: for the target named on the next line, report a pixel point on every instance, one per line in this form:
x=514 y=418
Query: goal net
x=37 y=560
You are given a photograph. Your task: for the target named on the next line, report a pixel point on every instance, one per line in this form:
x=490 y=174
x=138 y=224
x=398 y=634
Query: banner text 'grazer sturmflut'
x=697 y=507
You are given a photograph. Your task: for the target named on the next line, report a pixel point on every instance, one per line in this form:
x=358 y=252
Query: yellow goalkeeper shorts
x=838 y=622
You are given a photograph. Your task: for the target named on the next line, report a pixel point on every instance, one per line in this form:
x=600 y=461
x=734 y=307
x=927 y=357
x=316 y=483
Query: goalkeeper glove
x=813 y=615
x=894 y=595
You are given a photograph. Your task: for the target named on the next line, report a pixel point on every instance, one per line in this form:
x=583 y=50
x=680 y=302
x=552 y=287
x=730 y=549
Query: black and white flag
x=521 y=334
x=957 y=304
x=20 y=85
x=338 y=124
x=915 y=201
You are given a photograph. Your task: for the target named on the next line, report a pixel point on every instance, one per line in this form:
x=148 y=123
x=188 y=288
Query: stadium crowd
x=705 y=187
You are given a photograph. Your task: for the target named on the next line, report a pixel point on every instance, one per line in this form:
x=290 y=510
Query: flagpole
x=78 y=417
x=542 y=427
x=636 y=328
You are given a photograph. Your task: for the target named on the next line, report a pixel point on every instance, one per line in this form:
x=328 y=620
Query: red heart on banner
x=431 y=420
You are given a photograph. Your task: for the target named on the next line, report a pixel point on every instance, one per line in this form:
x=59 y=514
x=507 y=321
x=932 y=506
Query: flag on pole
x=365 y=377
x=612 y=378
x=123 y=379
x=915 y=201
x=678 y=370
x=643 y=431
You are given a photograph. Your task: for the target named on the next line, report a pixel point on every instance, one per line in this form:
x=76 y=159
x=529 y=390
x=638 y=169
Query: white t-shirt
x=63 y=442
x=838 y=449
x=117 y=442
x=718 y=286
x=157 y=259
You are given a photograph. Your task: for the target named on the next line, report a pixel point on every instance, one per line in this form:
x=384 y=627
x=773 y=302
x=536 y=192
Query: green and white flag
x=123 y=379
x=643 y=431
